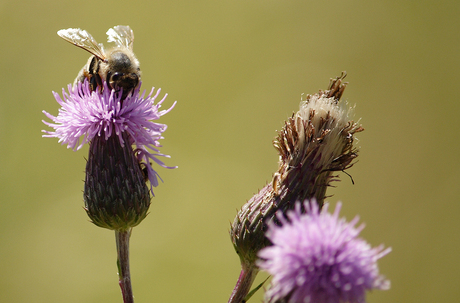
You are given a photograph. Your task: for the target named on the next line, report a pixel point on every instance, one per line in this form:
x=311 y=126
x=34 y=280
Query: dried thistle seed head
x=314 y=142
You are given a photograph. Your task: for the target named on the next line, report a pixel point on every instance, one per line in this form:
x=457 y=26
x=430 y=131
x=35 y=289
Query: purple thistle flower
x=317 y=257
x=85 y=115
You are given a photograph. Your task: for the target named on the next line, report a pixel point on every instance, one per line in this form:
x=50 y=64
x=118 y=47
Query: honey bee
x=117 y=66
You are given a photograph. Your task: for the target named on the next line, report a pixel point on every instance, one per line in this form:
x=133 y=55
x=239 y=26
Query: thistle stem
x=244 y=283
x=124 y=276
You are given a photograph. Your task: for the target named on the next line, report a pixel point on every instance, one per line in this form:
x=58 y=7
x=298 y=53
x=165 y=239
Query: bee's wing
x=122 y=35
x=83 y=39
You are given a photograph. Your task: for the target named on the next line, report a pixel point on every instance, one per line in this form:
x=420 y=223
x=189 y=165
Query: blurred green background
x=237 y=70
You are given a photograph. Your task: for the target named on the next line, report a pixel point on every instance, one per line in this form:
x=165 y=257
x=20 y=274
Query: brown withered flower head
x=314 y=144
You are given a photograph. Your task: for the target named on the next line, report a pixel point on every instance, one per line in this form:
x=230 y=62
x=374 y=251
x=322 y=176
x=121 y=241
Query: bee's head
x=123 y=71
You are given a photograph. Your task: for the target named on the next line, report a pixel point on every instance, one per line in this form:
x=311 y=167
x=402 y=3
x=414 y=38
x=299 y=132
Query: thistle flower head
x=85 y=115
x=124 y=141
x=317 y=257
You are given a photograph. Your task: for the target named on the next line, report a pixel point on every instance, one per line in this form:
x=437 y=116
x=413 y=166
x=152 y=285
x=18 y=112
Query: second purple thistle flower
x=317 y=257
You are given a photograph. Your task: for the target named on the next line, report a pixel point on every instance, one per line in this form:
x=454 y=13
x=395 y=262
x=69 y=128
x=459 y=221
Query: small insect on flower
x=117 y=66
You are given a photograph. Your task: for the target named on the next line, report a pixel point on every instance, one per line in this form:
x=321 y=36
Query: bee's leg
x=93 y=73
x=82 y=76
x=98 y=81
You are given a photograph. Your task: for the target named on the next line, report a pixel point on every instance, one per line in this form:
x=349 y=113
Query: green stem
x=244 y=283
x=124 y=276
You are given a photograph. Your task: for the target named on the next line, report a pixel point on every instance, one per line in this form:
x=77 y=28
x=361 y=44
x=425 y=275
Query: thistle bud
x=116 y=195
